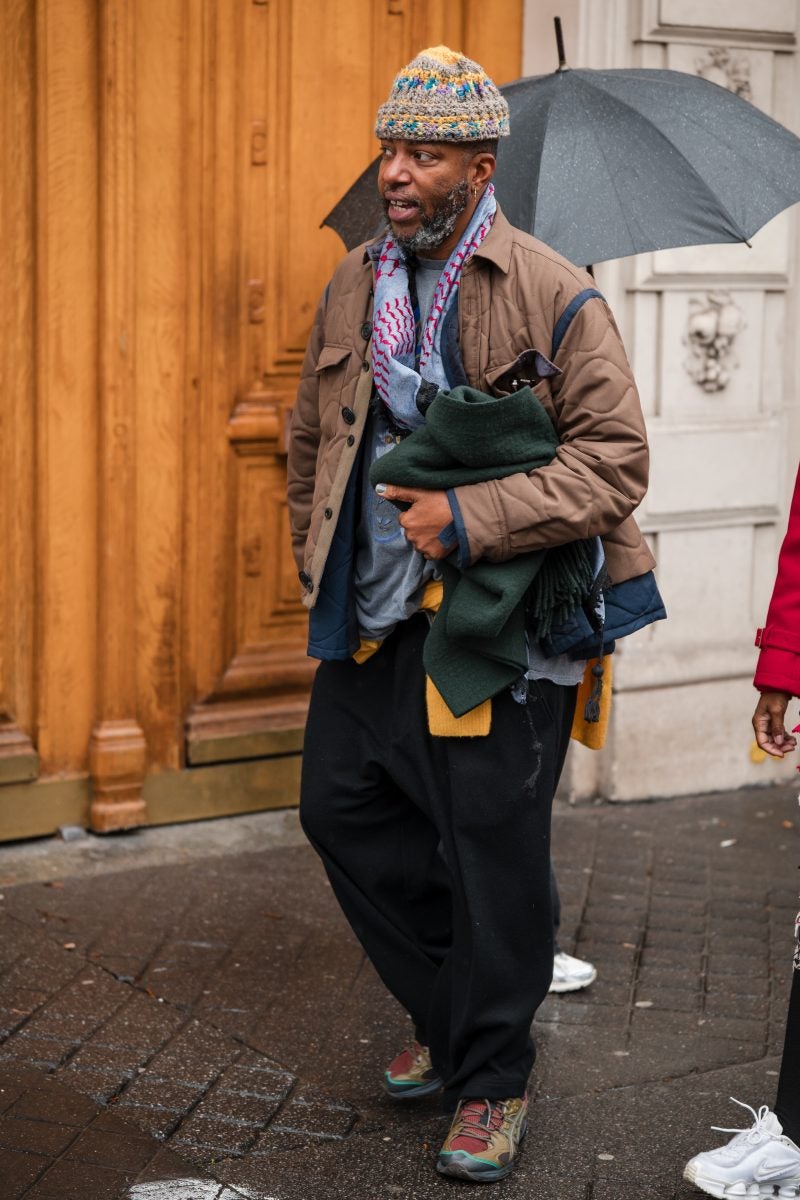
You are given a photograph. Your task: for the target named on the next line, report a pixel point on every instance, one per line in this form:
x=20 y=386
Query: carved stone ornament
x=712 y=328
x=732 y=71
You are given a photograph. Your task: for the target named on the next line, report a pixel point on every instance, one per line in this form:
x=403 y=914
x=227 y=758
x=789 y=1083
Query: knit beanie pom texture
x=441 y=96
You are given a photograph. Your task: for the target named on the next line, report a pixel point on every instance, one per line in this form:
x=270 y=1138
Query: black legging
x=787 y=1105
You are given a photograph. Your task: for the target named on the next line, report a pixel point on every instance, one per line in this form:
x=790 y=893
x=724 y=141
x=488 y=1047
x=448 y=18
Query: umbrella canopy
x=603 y=164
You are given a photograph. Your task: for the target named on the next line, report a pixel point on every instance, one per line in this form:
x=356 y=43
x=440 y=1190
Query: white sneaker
x=759 y=1161
x=571 y=974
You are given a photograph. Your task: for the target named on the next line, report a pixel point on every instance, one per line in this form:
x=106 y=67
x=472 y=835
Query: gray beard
x=437 y=228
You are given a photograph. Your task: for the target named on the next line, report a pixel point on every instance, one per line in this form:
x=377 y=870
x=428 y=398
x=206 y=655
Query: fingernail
x=380 y=488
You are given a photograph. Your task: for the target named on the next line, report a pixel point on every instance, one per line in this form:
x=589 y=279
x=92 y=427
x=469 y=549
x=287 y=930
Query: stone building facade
x=711 y=335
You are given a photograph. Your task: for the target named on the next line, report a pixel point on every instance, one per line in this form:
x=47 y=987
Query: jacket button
x=365 y=365
x=351 y=441
x=348 y=416
x=366 y=330
x=328 y=514
x=305 y=579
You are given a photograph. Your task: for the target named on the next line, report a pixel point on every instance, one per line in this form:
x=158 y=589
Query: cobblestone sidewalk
x=213 y=1021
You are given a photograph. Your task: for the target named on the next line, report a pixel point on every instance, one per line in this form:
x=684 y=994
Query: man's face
x=425 y=188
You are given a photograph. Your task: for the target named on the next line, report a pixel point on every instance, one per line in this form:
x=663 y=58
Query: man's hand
x=771 y=734
x=428 y=515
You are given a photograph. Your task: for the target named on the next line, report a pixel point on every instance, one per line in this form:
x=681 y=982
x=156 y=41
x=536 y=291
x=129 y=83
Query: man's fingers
x=390 y=491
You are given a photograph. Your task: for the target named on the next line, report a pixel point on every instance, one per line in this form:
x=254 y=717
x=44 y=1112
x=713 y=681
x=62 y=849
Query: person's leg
x=379 y=850
x=378 y=795
x=787 y=1104
x=769 y=1155
x=491 y=798
x=555 y=900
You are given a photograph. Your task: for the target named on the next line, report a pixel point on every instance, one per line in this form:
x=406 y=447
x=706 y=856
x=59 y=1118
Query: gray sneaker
x=571 y=974
x=759 y=1161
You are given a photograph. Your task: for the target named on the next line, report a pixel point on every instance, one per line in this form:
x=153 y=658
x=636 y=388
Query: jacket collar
x=496 y=246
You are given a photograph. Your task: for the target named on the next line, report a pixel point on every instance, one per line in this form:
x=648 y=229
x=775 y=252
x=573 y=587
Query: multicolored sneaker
x=411 y=1075
x=484 y=1139
x=759 y=1161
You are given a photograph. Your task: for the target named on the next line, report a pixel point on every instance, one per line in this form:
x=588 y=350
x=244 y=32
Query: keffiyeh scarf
x=394 y=336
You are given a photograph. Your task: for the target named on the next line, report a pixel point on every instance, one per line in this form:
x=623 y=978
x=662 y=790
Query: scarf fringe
x=564 y=579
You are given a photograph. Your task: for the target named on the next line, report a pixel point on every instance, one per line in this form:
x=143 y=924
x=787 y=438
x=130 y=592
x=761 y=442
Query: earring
x=474 y=192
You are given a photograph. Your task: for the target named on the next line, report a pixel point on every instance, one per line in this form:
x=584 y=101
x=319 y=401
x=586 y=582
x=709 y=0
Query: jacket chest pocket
x=331 y=371
x=531 y=369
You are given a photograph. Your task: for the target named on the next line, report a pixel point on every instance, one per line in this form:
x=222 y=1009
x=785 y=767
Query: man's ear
x=483 y=167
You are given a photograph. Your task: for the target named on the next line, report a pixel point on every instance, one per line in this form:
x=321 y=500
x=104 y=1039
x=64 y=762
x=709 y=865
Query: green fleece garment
x=477 y=643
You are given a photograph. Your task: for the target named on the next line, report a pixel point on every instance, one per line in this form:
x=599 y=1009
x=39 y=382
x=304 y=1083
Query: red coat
x=778 y=667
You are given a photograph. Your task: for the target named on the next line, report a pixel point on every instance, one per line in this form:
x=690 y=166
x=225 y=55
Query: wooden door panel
x=288 y=125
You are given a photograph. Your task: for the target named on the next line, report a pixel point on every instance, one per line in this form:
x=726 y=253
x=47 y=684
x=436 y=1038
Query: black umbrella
x=602 y=164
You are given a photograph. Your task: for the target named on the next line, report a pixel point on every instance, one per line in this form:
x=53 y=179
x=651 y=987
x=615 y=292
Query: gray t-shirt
x=390 y=575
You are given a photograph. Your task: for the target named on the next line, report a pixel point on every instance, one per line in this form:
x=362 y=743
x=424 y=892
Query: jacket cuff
x=463 y=554
x=778 y=671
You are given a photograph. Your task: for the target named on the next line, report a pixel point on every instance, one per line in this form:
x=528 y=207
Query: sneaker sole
x=412 y=1091
x=721 y=1188
x=461 y=1165
x=571 y=986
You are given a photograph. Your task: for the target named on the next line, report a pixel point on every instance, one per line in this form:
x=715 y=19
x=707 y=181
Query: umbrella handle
x=562 y=58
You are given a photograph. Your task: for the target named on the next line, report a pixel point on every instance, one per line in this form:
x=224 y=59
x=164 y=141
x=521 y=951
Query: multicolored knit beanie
x=441 y=96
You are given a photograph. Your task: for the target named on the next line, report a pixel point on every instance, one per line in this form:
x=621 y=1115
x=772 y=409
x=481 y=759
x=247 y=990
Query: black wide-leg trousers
x=438 y=850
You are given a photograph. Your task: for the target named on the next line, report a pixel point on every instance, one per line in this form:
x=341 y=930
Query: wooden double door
x=165 y=168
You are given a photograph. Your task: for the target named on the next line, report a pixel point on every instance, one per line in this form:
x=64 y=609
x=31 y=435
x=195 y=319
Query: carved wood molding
x=267 y=670
x=19 y=762
x=259 y=421
x=118 y=764
x=117 y=749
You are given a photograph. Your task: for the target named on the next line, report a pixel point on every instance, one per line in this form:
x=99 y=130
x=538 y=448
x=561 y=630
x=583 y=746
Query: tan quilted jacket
x=512 y=294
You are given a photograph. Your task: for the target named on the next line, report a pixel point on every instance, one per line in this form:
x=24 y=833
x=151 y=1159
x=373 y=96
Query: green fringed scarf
x=477 y=644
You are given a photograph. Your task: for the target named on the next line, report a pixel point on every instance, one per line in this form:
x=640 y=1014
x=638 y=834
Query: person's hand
x=770 y=731
x=428 y=515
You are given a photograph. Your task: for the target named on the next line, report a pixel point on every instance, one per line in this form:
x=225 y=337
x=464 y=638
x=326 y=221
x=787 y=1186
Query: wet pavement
x=184 y=1014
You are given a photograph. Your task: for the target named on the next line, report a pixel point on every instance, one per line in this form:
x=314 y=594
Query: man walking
x=435 y=830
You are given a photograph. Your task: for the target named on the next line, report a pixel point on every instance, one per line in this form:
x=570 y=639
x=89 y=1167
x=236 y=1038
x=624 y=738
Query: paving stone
x=35 y=1137
x=155 y=1092
x=685 y=942
x=257 y=1079
x=685 y=999
x=561 y=1010
x=105 y=1149
x=70 y=1180
x=736 y=1007
x=40 y=1052
x=99 y=1085
x=160 y=1123
x=18 y=1171
x=59 y=1106
x=215 y=1134
x=721 y=962
x=252 y=1110
x=307 y=1113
